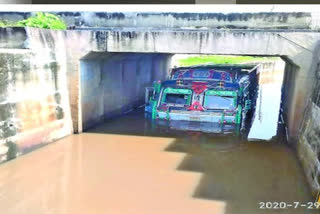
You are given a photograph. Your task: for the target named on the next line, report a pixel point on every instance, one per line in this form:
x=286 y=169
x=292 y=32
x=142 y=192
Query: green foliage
x=219 y=59
x=40 y=20
x=43 y=20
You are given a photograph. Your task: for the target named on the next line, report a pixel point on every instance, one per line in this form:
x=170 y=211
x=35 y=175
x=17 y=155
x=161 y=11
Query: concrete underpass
x=120 y=80
x=107 y=158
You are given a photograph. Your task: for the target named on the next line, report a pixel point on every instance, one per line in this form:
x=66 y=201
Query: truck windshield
x=219 y=102
x=176 y=96
x=177 y=99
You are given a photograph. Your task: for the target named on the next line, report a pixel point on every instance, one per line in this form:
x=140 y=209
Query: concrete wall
x=112 y=84
x=34 y=105
x=13 y=38
x=193 y=20
x=39 y=83
x=309 y=139
x=309 y=147
x=259 y=20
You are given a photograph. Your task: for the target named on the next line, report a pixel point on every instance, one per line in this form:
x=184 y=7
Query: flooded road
x=124 y=167
x=234 y=170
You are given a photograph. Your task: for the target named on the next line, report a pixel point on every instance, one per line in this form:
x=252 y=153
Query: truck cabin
x=216 y=93
x=210 y=100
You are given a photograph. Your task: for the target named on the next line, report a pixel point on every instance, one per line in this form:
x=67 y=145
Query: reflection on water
x=138 y=123
x=193 y=126
x=234 y=170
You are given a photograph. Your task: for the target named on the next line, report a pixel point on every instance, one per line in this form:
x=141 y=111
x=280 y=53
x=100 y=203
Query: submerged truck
x=216 y=94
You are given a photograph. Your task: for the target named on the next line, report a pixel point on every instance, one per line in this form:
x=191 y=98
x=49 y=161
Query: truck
x=209 y=95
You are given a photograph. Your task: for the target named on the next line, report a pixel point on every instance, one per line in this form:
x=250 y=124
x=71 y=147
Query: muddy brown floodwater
x=114 y=169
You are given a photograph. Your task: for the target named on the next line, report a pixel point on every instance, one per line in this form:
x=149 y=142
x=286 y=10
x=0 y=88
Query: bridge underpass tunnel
x=114 y=83
x=228 y=166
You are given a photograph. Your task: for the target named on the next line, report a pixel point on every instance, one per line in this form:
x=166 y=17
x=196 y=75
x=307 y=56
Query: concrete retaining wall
x=34 y=105
x=43 y=69
x=309 y=140
x=261 y=20
x=309 y=147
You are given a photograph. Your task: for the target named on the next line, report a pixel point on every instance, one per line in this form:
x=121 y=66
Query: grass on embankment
x=219 y=59
x=39 y=20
